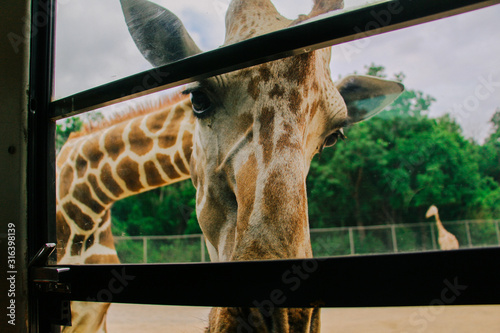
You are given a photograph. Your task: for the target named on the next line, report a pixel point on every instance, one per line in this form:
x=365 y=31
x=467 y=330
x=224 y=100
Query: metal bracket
x=52 y=292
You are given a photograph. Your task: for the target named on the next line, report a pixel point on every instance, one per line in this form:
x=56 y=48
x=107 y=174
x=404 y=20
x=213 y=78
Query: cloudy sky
x=456 y=60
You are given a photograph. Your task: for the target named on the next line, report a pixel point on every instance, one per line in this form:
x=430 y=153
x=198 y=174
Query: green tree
x=394 y=166
x=167 y=210
x=65 y=128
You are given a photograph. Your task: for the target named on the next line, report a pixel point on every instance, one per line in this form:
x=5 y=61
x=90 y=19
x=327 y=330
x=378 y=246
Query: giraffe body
x=255 y=134
x=446 y=240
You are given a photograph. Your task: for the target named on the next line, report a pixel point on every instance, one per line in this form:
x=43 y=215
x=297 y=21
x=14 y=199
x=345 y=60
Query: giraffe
x=446 y=240
x=149 y=149
x=256 y=131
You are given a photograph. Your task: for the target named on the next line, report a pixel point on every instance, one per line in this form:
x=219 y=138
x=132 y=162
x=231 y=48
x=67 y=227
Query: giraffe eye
x=202 y=106
x=334 y=137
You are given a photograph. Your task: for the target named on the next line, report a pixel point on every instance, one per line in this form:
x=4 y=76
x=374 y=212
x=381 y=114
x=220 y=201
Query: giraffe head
x=257 y=131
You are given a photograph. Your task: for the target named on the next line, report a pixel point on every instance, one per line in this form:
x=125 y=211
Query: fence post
x=351 y=240
x=498 y=232
x=202 y=247
x=394 y=239
x=433 y=235
x=469 y=238
x=144 y=249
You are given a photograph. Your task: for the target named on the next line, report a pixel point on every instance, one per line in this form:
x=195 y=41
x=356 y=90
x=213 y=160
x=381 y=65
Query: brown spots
x=153 y=177
x=108 y=180
x=128 y=171
x=65 y=181
x=113 y=142
x=317 y=104
x=91 y=151
x=63 y=234
x=265 y=73
x=315 y=86
x=92 y=179
x=266 y=120
x=275 y=193
x=104 y=218
x=169 y=136
x=139 y=142
x=81 y=166
x=187 y=144
x=295 y=101
x=82 y=194
x=244 y=122
x=180 y=163
x=253 y=87
x=77 y=245
x=215 y=212
x=106 y=238
x=246 y=179
x=102 y=259
x=89 y=242
x=285 y=208
x=155 y=121
x=276 y=91
x=244 y=73
x=167 y=166
x=82 y=220
x=299 y=68
x=288 y=141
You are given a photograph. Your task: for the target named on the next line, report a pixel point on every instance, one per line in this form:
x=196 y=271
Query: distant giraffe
x=256 y=131
x=446 y=240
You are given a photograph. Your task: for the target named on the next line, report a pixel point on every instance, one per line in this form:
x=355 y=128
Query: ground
x=453 y=319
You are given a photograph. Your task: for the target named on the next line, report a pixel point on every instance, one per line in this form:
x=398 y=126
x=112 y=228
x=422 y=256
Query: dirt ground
x=451 y=319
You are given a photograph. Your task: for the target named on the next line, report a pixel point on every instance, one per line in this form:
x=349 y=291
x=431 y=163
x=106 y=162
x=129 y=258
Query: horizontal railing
x=326 y=242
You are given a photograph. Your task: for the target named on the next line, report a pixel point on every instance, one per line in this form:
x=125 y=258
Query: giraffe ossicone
x=255 y=132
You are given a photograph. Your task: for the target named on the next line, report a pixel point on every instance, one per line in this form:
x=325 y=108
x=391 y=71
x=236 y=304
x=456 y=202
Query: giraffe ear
x=158 y=33
x=365 y=96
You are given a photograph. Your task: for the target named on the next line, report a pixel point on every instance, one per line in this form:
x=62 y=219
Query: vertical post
x=394 y=240
x=41 y=148
x=202 y=248
x=467 y=228
x=498 y=232
x=144 y=249
x=351 y=241
x=433 y=235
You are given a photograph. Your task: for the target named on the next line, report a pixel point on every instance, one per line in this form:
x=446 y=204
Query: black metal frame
x=456 y=277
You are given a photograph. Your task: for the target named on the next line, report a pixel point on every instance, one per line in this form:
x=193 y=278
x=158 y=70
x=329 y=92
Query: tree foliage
x=395 y=165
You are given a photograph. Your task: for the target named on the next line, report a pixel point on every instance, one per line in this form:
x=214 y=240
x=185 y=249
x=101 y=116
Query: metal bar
x=41 y=151
x=460 y=277
x=145 y=249
x=334 y=29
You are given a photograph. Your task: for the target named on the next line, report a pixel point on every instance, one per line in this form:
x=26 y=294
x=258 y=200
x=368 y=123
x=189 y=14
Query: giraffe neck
x=95 y=170
x=439 y=225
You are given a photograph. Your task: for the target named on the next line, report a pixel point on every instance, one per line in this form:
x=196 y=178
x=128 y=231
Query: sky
x=455 y=60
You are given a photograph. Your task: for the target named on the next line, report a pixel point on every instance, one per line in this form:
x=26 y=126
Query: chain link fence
x=326 y=242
